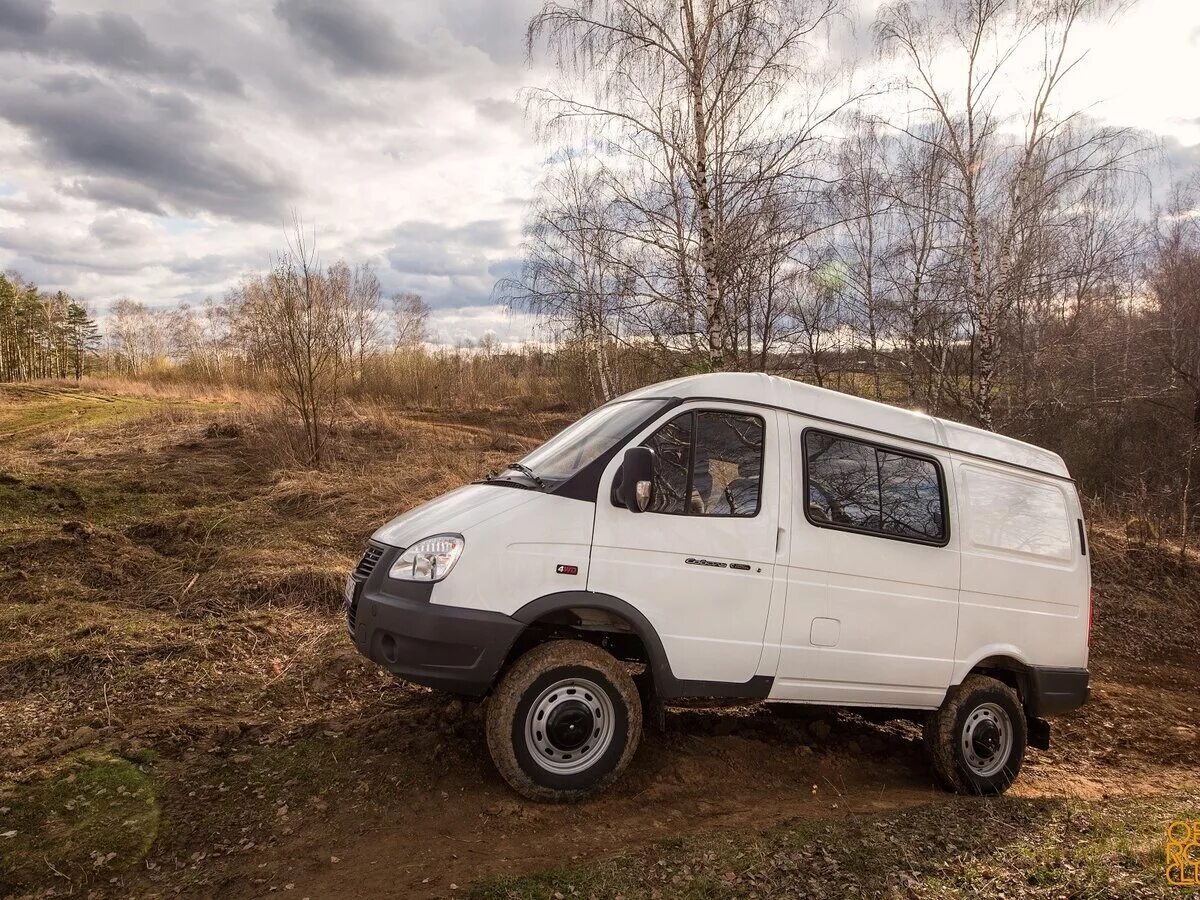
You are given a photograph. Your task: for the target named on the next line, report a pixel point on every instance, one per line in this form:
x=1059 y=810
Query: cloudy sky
x=156 y=149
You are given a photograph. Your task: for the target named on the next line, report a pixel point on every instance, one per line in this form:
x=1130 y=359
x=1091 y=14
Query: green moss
x=96 y=816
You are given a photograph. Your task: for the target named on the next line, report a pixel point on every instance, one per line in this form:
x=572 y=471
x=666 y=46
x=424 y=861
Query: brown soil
x=168 y=599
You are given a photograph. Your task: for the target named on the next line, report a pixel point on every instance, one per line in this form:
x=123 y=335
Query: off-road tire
x=944 y=731
x=508 y=712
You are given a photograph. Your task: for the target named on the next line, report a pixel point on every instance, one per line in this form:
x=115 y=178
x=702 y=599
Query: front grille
x=362 y=572
x=367 y=564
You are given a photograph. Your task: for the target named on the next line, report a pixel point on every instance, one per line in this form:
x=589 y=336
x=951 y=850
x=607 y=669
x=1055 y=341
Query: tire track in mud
x=709 y=773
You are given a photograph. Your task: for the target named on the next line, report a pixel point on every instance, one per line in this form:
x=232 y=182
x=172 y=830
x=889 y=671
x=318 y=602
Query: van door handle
x=779 y=533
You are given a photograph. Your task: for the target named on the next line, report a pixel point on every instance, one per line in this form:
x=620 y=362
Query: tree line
x=43 y=335
x=309 y=331
x=227 y=339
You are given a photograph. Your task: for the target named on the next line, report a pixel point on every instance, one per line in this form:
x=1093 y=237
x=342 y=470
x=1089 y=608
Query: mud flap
x=1039 y=733
x=654 y=713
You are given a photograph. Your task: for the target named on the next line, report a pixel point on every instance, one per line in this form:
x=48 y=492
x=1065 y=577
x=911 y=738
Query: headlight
x=430 y=559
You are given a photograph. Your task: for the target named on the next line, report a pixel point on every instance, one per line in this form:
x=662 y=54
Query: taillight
x=1091 y=615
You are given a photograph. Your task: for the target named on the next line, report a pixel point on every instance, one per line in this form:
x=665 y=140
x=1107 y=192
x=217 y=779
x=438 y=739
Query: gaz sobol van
x=742 y=536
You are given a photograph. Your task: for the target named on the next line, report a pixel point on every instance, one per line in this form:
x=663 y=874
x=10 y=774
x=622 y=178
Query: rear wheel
x=564 y=721
x=977 y=739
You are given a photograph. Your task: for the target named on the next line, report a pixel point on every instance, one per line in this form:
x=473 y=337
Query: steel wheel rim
x=987 y=740
x=569 y=726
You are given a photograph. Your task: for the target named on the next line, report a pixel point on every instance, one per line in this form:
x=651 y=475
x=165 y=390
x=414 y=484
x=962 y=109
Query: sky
x=158 y=150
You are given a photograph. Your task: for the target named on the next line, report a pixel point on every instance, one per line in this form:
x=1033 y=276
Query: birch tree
x=1008 y=161
x=699 y=111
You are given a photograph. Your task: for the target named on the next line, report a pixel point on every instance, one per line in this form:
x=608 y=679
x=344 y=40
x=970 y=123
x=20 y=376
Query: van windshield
x=579 y=444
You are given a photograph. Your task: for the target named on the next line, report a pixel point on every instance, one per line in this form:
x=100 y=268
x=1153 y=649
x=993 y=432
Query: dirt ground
x=181 y=711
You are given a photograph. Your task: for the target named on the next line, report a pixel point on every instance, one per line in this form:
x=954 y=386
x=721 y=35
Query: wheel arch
x=544 y=608
x=665 y=684
x=1007 y=668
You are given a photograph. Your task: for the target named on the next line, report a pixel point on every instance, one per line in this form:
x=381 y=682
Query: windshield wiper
x=528 y=473
x=494 y=478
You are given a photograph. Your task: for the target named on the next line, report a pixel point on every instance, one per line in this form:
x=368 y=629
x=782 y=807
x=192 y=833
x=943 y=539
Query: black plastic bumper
x=1056 y=690
x=395 y=624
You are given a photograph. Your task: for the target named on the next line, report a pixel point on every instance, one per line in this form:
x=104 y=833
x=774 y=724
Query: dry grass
x=182 y=546
x=1144 y=600
x=171 y=582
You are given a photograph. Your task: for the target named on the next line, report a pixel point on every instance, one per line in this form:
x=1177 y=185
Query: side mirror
x=637 y=478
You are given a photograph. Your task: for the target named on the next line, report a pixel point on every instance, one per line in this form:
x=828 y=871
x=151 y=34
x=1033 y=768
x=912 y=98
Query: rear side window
x=708 y=463
x=858 y=486
x=1018 y=515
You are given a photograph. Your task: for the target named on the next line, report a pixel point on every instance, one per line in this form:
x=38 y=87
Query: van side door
x=699 y=562
x=873 y=571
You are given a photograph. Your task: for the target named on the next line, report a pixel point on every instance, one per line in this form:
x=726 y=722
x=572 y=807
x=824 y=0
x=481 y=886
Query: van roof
x=834 y=406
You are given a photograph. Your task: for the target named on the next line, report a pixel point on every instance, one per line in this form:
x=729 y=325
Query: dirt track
x=273 y=756
x=732 y=768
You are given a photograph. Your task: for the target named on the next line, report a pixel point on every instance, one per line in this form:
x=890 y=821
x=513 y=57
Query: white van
x=742 y=535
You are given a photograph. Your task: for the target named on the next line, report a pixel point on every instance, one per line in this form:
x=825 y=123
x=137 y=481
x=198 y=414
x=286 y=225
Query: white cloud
x=160 y=152
x=157 y=150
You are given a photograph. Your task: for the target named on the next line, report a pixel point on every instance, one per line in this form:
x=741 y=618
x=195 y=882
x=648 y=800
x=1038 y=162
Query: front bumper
x=396 y=624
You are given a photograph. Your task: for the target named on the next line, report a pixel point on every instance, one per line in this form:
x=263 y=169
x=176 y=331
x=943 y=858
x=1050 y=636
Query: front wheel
x=564 y=721
x=977 y=739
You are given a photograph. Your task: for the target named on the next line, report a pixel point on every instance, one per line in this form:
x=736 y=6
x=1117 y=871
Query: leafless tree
x=1175 y=281
x=137 y=335
x=1005 y=189
x=916 y=268
x=863 y=196
x=359 y=291
x=410 y=320
x=305 y=324
x=698 y=112
x=575 y=274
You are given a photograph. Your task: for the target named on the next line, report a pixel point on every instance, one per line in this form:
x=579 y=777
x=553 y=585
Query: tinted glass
x=843 y=482
x=672 y=446
x=910 y=496
x=852 y=484
x=728 y=468
x=723 y=479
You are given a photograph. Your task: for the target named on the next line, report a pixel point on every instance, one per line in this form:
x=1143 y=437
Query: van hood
x=452 y=513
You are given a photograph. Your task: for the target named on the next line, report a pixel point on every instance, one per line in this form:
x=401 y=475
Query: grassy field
x=181 y=711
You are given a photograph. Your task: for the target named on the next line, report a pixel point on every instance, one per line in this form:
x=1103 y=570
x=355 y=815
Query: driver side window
x=708 y=463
